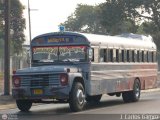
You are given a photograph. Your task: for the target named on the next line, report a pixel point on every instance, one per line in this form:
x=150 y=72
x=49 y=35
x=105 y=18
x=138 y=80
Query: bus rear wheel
x=77 y=97
x=134 y=95
x=24 y=105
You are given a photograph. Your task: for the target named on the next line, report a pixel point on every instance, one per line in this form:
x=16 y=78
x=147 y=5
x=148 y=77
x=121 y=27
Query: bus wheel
x=77 y=97
x=93 y=99
x=24 y=105
x=134 y=95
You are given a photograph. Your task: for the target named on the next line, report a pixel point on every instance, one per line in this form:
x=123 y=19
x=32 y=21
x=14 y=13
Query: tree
x=1 y=30
x=84 y=19
x=106 y=18
x=144 y=10
x=116 y=17
x=113 y=17
x=136 y=16
x=17 y=26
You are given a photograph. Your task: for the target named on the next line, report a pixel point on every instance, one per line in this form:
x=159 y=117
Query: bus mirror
x=90 y=53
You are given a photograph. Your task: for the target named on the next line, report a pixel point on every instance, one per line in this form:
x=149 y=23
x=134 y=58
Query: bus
x=78 y=68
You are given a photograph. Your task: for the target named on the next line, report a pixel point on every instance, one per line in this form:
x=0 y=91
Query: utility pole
x=29 y=19
x=7 y=49
x=30 y=32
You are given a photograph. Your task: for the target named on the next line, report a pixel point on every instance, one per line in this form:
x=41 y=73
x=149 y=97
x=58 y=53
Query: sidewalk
x=7 y=102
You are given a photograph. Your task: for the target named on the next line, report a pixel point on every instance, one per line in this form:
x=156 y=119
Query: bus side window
x=93 y=55
x=102 y=55
x=123 y=55
x=135 y=55
x=145 y=56
x=110 y=55
x=120 y=55
x=149 y=56
x=114 y=55
x=117 y=55
x=128 y=56
x=132 y=56
x=106 y=55
x=154 y=56
x=140 y=56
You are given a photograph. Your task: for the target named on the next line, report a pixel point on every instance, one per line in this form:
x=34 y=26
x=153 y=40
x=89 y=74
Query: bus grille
x=39 y=80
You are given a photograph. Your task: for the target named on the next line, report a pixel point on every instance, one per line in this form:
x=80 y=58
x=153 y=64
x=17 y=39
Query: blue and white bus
x=77 y=68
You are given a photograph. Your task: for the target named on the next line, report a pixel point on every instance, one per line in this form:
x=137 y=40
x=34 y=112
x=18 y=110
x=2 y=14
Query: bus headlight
x=64 y=79
x=16 y=81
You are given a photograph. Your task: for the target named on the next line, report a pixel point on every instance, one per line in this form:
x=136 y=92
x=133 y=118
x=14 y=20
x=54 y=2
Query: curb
x=7 y=102
x=151 y=90
x=8 y=106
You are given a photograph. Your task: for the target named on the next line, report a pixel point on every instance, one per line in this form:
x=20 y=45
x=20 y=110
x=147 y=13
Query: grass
x=1 y=82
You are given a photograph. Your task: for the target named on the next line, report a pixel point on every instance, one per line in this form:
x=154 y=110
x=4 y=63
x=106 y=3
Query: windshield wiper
x=43 y=60
x=71 y=60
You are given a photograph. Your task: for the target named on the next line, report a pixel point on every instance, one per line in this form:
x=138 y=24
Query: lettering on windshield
x=68 y=50
x=59 y=53
x=49 y=50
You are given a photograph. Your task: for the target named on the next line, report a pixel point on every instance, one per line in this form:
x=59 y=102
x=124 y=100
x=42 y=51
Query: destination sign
x=58 y=40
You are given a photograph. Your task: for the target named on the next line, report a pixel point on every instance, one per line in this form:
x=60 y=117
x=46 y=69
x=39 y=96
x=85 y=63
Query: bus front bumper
x=41 y=93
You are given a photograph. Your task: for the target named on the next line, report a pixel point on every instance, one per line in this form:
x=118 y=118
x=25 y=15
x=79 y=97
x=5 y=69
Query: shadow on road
x=66 y=110
x=62 y=111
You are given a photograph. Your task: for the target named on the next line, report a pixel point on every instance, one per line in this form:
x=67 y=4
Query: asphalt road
x=110 y=108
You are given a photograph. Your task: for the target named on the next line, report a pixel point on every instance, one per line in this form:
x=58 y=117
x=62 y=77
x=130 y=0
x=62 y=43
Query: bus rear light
x=64 y=79
x=16 y=81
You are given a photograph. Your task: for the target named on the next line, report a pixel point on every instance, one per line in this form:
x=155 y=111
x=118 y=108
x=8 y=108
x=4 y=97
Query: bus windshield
x=59 y=54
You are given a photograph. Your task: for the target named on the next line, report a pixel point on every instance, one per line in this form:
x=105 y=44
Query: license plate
x=37 y=91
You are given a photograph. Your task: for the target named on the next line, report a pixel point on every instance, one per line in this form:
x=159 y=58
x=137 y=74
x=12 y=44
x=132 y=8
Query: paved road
x=110 y=108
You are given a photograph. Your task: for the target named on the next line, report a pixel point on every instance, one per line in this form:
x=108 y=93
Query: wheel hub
x=80 y=96
x=137 y=91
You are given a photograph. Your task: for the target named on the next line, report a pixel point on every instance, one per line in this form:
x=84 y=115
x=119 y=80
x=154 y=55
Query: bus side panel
x=110 y=78
x=147 y=75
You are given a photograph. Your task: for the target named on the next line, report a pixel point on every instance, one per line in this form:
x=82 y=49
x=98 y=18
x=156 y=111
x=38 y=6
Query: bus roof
x=119 y=41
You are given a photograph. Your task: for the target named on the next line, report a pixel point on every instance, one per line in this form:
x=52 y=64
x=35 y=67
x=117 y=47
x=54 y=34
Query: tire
x=77 y=97
x=24 y=105
x=134 y=95
x=93 y=99
x=126 y=96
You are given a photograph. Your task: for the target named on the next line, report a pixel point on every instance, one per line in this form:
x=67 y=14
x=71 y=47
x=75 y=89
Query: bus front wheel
x=77 y=97
x=134 y=95
x=24 y=105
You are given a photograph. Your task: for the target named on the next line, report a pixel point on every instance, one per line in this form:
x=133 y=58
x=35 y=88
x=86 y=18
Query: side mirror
x=90 y=53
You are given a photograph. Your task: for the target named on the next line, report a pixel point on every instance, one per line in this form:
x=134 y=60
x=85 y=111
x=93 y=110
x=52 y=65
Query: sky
x=46 y=15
